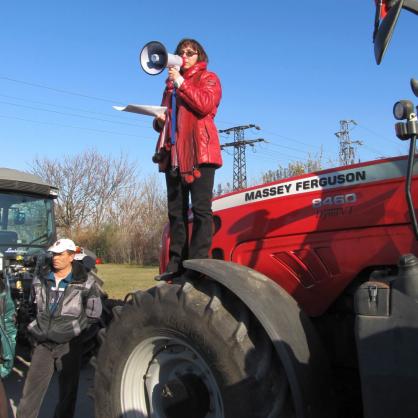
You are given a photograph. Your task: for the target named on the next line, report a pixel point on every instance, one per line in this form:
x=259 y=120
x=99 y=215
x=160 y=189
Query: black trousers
x=200 y=192
x=66 y=358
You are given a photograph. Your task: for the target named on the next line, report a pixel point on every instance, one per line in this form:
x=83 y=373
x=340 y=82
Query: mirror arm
x=411 y=6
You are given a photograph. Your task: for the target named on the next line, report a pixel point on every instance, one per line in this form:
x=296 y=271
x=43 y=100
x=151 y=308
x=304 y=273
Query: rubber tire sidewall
x=138 y=322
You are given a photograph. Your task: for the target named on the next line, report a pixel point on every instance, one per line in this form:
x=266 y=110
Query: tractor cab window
x=25 y=220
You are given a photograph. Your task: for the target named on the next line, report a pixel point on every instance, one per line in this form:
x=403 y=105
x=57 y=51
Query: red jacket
x=197 y=140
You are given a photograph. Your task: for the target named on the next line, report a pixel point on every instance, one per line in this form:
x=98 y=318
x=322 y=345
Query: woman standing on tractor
x=188 y=152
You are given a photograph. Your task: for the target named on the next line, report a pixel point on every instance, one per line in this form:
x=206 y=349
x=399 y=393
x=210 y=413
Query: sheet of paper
x=148 y=110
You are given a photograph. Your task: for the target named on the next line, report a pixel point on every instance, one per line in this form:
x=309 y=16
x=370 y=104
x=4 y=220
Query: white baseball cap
x=63 y=244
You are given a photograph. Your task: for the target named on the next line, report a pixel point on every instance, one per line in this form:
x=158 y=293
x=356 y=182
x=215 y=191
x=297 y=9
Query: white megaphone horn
x=154 y=58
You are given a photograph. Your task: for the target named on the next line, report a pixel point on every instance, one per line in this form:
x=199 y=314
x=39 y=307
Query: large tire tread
x=253 y=374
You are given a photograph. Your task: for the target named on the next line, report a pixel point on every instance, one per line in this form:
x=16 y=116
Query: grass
x=120 y=279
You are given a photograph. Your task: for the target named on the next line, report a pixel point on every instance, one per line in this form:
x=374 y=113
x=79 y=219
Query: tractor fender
x=289 y=328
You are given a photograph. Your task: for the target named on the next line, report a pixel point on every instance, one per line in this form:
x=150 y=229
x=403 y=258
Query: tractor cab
x=26 y=212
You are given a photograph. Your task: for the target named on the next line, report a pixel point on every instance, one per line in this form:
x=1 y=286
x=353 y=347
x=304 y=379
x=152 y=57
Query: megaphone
x=154 y=58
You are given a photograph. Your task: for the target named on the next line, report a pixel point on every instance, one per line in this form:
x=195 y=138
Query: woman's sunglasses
x=188 y=53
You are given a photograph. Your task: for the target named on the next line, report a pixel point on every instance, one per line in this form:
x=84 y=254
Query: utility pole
x=239 y=144
x=347 y=152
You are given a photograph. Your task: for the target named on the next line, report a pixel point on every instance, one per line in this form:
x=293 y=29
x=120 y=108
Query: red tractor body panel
x=313 y=234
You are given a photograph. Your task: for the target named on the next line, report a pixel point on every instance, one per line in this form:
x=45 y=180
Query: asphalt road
x=14 y=386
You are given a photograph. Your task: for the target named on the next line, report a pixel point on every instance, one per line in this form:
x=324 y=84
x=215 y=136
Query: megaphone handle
x=173 y=117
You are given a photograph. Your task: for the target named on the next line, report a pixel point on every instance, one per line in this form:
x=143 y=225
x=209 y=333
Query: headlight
x=403 y=109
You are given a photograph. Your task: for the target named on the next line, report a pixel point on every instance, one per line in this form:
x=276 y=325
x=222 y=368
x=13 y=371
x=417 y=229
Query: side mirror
x=414 y=86
x=384 y=29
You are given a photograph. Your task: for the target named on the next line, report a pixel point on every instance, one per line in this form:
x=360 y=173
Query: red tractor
x=308 y=306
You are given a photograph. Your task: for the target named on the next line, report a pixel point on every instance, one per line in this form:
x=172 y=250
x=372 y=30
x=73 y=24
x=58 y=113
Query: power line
x=375 y=152
x=113 y=101
x=380 y=136
x=284 y=146
x=70 y=114
x=63 y=91
x=281 y=156
x=292 y=139
x=83 y=95
x=68 y=126
x=287 y=138
x=114 y=114
x=59 y=90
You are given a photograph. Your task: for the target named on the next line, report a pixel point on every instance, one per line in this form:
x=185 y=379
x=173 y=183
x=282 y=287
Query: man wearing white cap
x=68 y=301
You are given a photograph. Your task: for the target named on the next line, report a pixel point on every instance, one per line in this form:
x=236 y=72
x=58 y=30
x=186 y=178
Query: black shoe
x=167 y=276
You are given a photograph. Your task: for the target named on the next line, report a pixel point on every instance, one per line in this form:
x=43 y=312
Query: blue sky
x=293 y=68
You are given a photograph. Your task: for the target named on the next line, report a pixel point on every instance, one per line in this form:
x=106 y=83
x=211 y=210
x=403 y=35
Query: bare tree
x=222 y=189
x=140 y=216
x=89 y=183
x=106 y=207
x=152 y=218
x=313 y=163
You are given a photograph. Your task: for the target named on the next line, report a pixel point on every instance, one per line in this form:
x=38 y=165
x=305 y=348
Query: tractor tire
x=107 y=312
x=188 y=351
x=92 y=336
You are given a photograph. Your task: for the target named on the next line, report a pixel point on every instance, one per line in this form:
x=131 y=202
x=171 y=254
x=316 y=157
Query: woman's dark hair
x=192 y=43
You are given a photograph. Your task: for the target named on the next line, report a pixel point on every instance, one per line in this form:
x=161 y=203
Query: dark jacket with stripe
x=7 y=329
x=79 y=306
